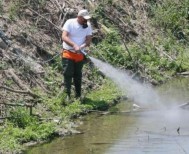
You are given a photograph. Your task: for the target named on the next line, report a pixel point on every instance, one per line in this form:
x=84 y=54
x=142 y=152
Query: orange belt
x=77 y=57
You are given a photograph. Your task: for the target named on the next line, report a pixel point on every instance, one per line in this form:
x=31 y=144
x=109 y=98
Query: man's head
x=83 y=16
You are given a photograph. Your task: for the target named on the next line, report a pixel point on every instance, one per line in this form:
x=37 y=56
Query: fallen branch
x=59 y=6
x=23 y=105
x=168 y=56
x=2 y=118
x=10 y=73
x=41 y=85
x=124 y=43
x=19 y=91
x=16 y=104
x=184 y=73
x=16 y=79
x=64 y=18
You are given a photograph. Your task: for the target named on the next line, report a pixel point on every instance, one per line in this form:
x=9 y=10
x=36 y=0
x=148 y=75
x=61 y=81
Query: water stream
x=135 y=133
x=162 y=130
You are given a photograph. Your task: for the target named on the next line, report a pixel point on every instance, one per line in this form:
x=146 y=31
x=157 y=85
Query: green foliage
x=57 y=65
x=55 y=103
x=38 y=132
x=9 y=82
x=155 y=61
x=8 y=141
x=110 y=50
x=21 y=127
x=3 y=65
x=101 y=98
x=75 y=109
x=12 y=137
x=21 y=118
x=14 y=9
x=164 y=54
x=172 y=14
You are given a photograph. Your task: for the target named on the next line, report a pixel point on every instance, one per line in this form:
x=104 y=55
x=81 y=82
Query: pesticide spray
x=142 y=94
x=159 y=114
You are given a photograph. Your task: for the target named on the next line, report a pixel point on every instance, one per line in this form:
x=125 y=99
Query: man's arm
x=65 y=38
x=87 y=42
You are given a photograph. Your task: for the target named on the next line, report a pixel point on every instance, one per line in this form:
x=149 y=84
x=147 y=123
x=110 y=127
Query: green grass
x=101 y=98
x=21 y=127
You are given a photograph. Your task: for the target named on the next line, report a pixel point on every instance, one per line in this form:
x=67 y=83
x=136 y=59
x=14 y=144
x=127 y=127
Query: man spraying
x=77 y=34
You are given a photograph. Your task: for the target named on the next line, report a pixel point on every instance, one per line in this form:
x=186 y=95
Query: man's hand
x=76 y=48
x=83 y=46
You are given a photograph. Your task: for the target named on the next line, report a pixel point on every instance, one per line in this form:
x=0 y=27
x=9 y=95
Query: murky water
x=155 y=132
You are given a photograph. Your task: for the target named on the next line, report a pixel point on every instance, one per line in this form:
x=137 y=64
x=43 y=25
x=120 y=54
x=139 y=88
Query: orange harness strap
x=77 y=57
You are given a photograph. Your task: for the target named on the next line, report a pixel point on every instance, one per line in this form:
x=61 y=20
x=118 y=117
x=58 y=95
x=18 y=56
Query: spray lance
x=84 y=53
x=87 y=58
x=90 y=61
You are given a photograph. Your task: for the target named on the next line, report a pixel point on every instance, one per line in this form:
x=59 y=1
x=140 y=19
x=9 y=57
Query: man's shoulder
x=69 y=24
x=72 y=20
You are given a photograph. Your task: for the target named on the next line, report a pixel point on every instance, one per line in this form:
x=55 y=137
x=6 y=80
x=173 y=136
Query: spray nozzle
x=83 y=52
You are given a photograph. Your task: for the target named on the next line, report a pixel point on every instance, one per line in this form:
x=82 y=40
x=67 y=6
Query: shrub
x=21 y=118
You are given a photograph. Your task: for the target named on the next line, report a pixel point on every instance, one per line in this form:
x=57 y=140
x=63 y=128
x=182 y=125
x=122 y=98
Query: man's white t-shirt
x=76 y=32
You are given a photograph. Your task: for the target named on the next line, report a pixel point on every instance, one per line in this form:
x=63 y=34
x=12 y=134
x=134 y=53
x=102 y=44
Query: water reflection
x=157 y=132
x=175 y=91
x=143 y=132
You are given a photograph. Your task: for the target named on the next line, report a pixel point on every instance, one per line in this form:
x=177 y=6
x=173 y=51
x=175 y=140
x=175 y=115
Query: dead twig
x=16 y=79
x=10 y=73
x=41 y=85
x=16 y=104
x=19 y=91
x=59 y=6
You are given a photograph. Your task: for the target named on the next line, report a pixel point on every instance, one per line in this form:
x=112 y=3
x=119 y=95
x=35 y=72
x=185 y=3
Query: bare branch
x=18 y=104
x=19 y=91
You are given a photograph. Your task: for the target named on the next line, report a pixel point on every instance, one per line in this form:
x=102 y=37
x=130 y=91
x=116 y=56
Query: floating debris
x=178 y=130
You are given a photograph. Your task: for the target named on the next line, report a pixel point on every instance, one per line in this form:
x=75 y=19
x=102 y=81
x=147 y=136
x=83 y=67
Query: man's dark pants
x=72 y=69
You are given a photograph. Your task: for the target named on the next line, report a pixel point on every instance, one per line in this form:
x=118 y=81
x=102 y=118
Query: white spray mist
x=169 y=116
x=142 y=94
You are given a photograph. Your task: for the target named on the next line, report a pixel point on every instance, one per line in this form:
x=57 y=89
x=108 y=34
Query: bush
x=21 y=118
x=172 y=14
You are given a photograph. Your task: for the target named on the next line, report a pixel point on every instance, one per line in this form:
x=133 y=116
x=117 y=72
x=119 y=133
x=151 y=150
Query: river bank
x=58 y=120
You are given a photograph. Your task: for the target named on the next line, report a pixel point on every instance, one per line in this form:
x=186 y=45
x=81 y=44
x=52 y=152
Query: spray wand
x=83 y=52
x=88 y=58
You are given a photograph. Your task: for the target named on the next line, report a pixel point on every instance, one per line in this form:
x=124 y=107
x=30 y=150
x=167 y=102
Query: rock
x=3 y=45
x=183 y=73
x=184 y=106
x=136 y=107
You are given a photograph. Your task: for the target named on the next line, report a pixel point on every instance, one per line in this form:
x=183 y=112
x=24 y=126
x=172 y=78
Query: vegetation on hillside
x=151 y=39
